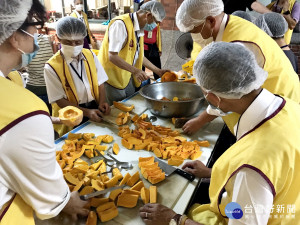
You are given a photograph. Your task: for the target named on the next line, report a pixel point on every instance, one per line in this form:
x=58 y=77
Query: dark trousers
x=154 y=60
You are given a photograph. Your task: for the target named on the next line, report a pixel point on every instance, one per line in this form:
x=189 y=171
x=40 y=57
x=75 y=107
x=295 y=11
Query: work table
x=174 y=192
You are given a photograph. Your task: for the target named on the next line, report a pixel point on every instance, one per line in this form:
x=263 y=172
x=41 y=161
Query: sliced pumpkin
x=145 y=195
x=70 y=116
x=123 y=107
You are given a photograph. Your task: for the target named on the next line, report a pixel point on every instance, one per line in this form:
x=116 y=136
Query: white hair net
x=13 y=14
x=273 y=24
x=243 y=15
x=192 y=13
x=70 y=28
x=156 y=9
x=228 y=70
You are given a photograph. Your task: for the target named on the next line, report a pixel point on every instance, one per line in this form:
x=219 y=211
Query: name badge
x=149 y=34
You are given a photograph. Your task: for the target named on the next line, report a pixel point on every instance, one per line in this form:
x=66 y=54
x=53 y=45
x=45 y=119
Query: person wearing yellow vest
x=208 y=22
x=276 y=26
x=80 y=14
x=74 y=75
x=16 y=77
x=122 y=51
x=31 y=181
x=258 y=172
x=290 y=9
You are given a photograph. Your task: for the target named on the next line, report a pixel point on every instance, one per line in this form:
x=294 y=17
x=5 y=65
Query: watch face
x=172 y=222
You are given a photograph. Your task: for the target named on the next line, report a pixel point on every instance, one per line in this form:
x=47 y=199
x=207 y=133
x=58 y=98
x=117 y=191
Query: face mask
x=27 y=57
x=71 y=51
x=197 y=37
x=215 y=111
x=79 y=7
x=150 y=27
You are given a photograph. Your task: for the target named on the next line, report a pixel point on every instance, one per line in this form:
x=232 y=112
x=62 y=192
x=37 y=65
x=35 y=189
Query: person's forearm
x=206 y=118
x=258 y=7
x=150 y=66
x=64 y=102
x=121 y=63
x=291 y=22
x=102 y=94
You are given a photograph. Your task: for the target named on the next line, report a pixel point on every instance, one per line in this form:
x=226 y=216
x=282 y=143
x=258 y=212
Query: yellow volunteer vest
x=59 y=65
x=196 y=49
x=289 y=33
x=273 y=150
x=158 y=38
x=73 y=14
x=15 y=77
x=282 y=79
x=20 y=105
x=118 y=77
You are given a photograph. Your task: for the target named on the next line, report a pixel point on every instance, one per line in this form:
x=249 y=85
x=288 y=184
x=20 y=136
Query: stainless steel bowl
x=153 y=94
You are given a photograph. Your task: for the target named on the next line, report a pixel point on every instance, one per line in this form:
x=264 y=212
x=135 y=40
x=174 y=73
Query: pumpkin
x=153 y=194
x=127 y=200
x=114 y=194
x=112 y=182
x=192 y=80
x=175 y=161
x=145 y=195
x=123 y=107
x=125 y=179
x=92 y=218
x=70 y=116
x=133 y=179
x=78 y=186
x=138 y=186
x=169 y=76
x=95 y=202
x=105 y=206
x=116 y=148
x=108 y=214
x=116 y=173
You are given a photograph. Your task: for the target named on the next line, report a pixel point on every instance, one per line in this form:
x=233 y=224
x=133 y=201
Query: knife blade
x=94 y=194
x=170 y=169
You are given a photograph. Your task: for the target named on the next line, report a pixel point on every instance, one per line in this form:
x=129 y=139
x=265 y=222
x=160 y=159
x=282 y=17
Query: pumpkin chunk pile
x=150 y=170
x=86 y=179
x=162 y=141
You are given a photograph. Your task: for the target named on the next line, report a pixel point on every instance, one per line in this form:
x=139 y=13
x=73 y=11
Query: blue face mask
x=27 y=57
x=150 y=27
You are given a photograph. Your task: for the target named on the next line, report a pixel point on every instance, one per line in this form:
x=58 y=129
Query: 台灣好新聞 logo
x=233 y=210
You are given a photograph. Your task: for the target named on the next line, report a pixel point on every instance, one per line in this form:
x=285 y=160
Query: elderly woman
x=31 y=179
x=260 y=170
x=276 y=26
x=74 y=76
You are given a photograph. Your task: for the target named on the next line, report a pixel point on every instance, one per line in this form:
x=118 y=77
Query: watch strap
x=176 y=218
x=182 y=220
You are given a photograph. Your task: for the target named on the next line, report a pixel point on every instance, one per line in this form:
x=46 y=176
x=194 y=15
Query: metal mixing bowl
x=153 y=94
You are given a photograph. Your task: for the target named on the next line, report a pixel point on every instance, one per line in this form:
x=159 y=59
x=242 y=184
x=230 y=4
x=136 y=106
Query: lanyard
x=80 y=76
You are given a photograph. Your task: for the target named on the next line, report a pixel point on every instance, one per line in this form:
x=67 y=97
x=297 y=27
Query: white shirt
x=117 y=35
x=55 y=89
x=249 y=187
x=28 y=167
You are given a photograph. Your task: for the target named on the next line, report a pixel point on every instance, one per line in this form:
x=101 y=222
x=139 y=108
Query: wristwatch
x=287 y=12
x=175 y=219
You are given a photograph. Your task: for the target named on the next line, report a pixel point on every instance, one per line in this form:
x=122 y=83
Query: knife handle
x=184 y=174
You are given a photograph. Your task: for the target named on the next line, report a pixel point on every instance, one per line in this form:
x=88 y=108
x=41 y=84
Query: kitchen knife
x=94 y=194
x=170 y=169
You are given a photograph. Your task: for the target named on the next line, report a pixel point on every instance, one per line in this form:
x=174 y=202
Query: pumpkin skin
x=70 y=116
x=169 y=76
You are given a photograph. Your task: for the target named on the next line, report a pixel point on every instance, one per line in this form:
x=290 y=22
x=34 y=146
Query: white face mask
x=71 y=51
x=215 y=111
x=79 y=7
x=197 y=37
